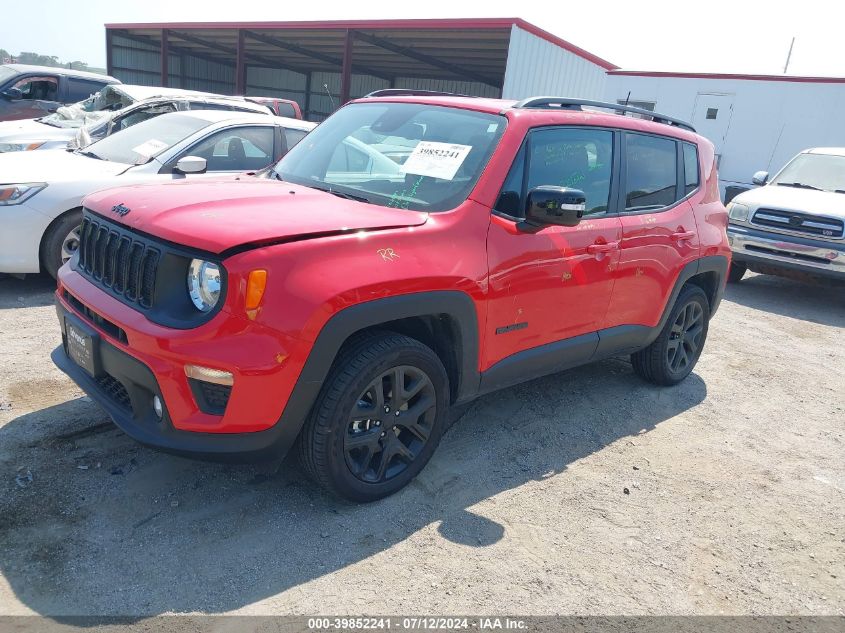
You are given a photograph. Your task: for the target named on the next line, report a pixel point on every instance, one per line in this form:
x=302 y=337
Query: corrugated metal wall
x=537 y=67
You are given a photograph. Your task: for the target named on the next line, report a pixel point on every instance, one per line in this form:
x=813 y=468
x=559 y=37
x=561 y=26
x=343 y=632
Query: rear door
x=659 y=235
x=551 y=283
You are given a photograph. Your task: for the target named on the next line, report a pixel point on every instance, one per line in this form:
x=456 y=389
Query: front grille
x=115 y=390
x=799 y=222
x=113 y=257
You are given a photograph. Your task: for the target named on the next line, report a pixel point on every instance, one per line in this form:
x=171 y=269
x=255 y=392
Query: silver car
x=794 y=224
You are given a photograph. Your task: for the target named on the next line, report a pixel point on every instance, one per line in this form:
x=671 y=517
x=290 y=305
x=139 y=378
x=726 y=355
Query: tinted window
x=651 y=172
x=79 y=89
x=690 y=168
x=510 y=198
x=237 y=149
x=575 y=158
x=286 y=109
x=39 y=88
x=292 y=137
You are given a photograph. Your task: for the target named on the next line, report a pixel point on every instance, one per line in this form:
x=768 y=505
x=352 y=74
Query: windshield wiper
x=341 y=194
x=798 y=185
x=90 y=154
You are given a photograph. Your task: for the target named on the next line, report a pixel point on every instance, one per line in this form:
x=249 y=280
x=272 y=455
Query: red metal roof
x=792 y=78
x=451 y=23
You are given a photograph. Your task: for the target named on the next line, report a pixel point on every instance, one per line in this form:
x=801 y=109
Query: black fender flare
x=337 y=330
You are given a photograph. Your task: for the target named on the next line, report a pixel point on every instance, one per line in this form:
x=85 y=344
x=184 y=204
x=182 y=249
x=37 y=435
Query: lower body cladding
x=788 y=255
x=143 y=393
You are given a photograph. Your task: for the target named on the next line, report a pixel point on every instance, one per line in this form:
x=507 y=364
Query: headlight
x=204 y=284
x=738 y=212
x=20 y=147
x=15 y=194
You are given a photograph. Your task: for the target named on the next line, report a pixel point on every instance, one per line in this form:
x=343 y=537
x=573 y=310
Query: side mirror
x=191 y=165
x=555 y=205
x=760 y=178
x=13 y=94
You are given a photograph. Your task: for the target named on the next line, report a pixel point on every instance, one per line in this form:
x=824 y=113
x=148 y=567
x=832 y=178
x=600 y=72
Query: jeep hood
x=793 y=199
x=218 y=215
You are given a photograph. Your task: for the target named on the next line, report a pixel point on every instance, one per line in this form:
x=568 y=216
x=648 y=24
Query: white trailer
x=757 y=122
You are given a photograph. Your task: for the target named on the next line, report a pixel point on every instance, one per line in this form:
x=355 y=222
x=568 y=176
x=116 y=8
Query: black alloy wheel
x=390 y=424
x=685 y=337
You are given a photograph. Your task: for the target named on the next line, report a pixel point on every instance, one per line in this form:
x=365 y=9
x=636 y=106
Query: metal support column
x=240 y=64
x=165 y=58
x=306 y=106
x=346 y=71
x=109 y=52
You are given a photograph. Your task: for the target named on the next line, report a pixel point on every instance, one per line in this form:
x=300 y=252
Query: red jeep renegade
x=413 y=252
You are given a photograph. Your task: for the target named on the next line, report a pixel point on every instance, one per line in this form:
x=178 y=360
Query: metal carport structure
x=321 y=64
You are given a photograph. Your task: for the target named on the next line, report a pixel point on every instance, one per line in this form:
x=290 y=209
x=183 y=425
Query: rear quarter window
x=691 y=179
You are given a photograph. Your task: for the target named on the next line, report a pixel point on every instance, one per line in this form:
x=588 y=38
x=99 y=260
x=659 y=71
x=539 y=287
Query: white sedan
x=41 y=192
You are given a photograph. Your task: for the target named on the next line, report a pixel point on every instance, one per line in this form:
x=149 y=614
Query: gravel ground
x=735 y=499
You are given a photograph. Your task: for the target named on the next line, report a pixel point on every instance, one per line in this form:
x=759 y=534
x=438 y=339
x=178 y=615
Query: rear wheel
x=61 y=241
x=378 y=418
x=673 y=355
x=736 y=272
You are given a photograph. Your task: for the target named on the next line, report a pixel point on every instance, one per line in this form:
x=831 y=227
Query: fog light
x=216 y=376
x=157 y=407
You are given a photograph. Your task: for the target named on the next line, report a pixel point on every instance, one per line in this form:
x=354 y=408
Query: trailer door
x=711 y=118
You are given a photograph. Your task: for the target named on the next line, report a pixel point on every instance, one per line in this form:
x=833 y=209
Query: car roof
x=542 y=116
x=56 y=70
x=139 y=93
x=200 y=97
x=830 y=151
x=222 y=116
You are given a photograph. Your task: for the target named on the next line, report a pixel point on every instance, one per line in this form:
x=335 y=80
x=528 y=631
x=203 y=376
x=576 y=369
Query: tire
x=60 y=241
x=356 y=443
x=736 y=272
x=673 y=355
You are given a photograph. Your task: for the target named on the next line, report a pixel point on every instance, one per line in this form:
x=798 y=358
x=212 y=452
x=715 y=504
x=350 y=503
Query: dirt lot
x=736 y=484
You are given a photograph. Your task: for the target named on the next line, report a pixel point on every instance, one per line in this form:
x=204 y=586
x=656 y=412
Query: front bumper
x=20 y=238
x=136 y=360
x=764 y=250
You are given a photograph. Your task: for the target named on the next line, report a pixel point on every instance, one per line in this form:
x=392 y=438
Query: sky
x=722 y=36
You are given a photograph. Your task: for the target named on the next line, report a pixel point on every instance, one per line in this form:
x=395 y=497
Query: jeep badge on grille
x=120 y=209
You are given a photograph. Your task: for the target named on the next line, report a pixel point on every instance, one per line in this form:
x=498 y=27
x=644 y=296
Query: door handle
x=680 y=236
x=595 y=249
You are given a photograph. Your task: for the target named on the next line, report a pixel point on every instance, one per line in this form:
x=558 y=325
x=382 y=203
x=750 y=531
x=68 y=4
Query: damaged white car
x=109 y=110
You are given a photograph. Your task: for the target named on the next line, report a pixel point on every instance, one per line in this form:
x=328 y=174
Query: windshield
x=6 y=73
x=402 y=155
x=139 y=143
x=88 y=111
x=817 y=171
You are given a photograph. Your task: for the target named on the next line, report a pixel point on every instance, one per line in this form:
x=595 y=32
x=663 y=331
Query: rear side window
x=292 y=137
x=286 y=109
x=651 y=172
x=690 y=168
x=79 y=89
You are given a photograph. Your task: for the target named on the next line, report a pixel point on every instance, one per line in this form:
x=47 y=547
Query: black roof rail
x=577 y=104
x=407 y=92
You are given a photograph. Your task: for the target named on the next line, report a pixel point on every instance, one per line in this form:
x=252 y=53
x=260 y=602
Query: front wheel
x=378 y=418
x=673 y=355
x=60 y=242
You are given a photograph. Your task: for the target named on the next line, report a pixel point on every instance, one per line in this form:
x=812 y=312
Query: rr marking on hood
x=120 y=209
x=387 y=254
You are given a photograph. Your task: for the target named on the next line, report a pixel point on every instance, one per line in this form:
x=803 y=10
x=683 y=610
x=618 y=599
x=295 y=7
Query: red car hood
x=216 y=215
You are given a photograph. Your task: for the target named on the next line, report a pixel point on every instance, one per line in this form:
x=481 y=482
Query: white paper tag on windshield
x=438 y=160
x=150 y=148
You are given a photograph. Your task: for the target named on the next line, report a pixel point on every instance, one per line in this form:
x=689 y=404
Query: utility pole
x=788 y=55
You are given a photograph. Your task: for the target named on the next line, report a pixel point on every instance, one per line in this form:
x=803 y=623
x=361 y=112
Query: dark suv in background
x=27 y=92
